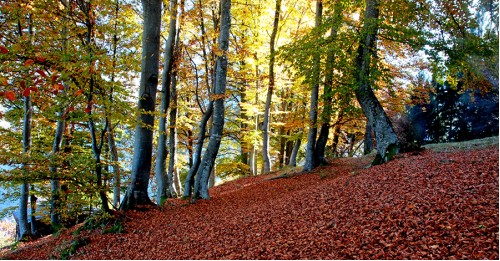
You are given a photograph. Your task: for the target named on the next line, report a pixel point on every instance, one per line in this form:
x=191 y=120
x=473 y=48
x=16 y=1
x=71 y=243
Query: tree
x=387 y=141
x=311 y=161
x=207 y=163
x=164 y=184
x=137 y=192
x=265 y=127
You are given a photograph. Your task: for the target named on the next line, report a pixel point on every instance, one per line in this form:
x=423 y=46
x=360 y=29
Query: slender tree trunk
x=328 y=89
x=189 y=182
x=33 y=200
x=172 y=138
x=115 y=165
x=55 y=184
x=24 y=227
x=289 y=148
x=295 y=151
x=137 y=192
x=267 y=111
x=161 y=152
x=208 y=161
x=311 y=162
x=387 y=141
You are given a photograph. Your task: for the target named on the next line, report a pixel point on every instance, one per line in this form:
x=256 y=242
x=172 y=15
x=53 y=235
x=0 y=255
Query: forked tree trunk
x=208 y=161
x=387 y=141
x=189 y=182
x=137 y=192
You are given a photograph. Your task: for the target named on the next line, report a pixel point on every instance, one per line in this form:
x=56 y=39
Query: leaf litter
x=427 y=205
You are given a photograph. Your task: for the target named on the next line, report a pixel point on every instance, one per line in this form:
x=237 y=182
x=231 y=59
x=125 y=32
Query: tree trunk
x=24 y=227
x=208 y=161
x=295 y=151
x=161 y=152
x=368 y=143
x=172 y=192
x=189 y=182
x=115 y=165
x=311 y=162
x=387 y=141
x=137 y=192
x=55 y=184
x=328 y=89
x=267 y=111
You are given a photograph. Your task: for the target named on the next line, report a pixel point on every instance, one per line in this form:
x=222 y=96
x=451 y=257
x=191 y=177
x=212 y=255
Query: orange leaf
x=11 y=96
x=3 y=81
x=3 y=49
x=29 y=62
x=58 y=86
x=78 y=93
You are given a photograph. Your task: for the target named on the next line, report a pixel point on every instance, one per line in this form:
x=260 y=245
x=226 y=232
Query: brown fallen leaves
x=426 y=206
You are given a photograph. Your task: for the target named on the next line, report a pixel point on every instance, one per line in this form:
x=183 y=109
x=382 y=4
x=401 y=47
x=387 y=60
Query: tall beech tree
x=164 y=183
x=311 y=161
x=387 y=141
x=137 y=192
x=208 y=161
x=270 y=88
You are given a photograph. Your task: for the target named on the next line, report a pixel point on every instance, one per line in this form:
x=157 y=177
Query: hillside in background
x=440 y=203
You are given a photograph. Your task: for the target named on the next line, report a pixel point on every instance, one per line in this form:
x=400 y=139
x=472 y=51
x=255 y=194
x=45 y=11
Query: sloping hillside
x=427 y=205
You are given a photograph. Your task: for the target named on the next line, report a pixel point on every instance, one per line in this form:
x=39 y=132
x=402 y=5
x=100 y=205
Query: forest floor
x=440 y=203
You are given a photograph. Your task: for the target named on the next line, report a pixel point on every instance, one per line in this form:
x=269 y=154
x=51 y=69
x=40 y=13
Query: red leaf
x=33 y=89
x=29 y=62
x=40 y=59
x=23 y=84
x=26 y=92
x=42 y=73
x=11 y=96
x=88 y=109
x=58 y=86
x=3 y=49
x=54 y=78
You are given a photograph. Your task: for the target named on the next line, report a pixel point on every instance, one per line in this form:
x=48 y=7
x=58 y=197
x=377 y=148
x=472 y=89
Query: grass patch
x=463 y=145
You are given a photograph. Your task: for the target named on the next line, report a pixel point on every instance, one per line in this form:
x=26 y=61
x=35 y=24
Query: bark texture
x=137 y=192
x=208 y=161
x=387 y=141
